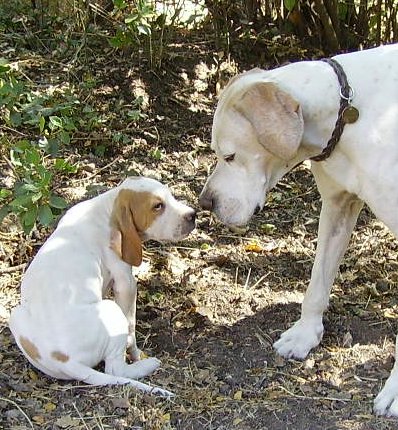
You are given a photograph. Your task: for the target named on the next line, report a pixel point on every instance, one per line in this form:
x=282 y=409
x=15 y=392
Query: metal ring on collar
x=350 y=95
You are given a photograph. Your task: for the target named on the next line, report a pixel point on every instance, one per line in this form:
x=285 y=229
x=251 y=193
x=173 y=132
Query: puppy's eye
x=229 y=158
x=158 y=206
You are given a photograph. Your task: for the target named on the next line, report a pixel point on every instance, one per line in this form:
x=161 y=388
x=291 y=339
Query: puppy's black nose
x=257 y=210
x=206 y=202
x=191 y=216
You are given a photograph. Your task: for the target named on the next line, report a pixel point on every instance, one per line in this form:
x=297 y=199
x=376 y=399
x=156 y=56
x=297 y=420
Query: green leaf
x=4 y=193
x=289 y=4
x=42 y=123
x=15 y=119
x=64 y=137
x=45 y=215
x=144 y=29
x=36 y=197
x=130 y=19
x=58 y=202
x=29 y=187
x=55 y=122
x=22 y=201
x=64 y=166
x=29 y=217
x=33 y=157
x=4 y=211
x=120 y=4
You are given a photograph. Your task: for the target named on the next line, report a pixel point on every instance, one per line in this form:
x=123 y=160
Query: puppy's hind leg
x=117 y=328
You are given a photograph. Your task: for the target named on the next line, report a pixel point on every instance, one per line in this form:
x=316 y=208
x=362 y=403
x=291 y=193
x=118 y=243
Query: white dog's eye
x=158 y=206
x=229 y=158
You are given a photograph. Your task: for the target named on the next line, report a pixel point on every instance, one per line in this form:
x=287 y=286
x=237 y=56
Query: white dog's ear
x=275 y=116
x=125 y=240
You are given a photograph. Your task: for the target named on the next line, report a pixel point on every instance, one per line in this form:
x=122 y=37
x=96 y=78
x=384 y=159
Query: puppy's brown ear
x=125 y=240
x=275 y=116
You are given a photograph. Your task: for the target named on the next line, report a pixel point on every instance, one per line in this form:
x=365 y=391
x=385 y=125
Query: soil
x=211 y=306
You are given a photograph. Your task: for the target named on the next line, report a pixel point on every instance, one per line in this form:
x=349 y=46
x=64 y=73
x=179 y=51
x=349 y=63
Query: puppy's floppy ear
x=275 y=116
x=125 y=240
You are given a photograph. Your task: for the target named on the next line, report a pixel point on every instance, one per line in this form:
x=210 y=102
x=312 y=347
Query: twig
x=298 y=396
x=12 y=269
x=20 y=410
x=248 y=277
x=5 y=127
x=80 y=416
x=260 y=280
x=100 y=170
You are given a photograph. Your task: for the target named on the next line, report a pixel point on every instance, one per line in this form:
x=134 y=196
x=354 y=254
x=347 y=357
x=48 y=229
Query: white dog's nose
x=206 y=201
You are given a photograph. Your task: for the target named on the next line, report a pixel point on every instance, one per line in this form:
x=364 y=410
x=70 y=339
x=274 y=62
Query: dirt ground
x=211 y=306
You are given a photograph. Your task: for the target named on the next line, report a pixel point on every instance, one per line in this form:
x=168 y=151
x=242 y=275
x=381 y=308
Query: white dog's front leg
x=338 y=217
x=386 y=403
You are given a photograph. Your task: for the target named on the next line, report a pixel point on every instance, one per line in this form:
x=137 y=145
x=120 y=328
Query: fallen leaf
x=48 y=407
x=204 y=311
x=38 y=419
x=166 y=417
x=347 y=340
x=33 y=375
x=238 y=395
x=268 y=228
x=121 y=402
x=389 y=313
x=253 y=247
x=67 y=421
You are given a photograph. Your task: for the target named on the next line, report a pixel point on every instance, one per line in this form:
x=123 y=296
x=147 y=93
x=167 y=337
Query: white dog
x=63 y=325
x=267 y=122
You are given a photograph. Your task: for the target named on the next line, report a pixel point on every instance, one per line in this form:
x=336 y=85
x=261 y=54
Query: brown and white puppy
x=63 y=325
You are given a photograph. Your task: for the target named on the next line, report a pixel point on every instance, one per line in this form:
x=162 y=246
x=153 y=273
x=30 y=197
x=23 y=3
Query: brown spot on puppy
x=60 y=356
x=29 y=348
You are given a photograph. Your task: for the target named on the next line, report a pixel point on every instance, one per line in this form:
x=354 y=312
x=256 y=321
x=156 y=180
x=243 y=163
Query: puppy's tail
x=90 y=376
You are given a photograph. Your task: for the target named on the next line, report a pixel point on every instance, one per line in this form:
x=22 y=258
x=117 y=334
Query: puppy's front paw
x=148 y=365
x=300 y=339
x=386 y=403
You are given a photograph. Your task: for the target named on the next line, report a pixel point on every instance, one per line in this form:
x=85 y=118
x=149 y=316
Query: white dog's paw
x=300 y=339
x=386 y=403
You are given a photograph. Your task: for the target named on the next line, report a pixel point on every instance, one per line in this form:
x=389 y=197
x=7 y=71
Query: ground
x=211 y=306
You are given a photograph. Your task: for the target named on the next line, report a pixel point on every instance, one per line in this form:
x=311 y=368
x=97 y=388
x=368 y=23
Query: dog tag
x=350 y=114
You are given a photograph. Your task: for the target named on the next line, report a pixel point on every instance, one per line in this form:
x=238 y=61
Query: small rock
x=90 y=167
x=13 y=414
x=382 y=286
x=279 y=361
x=309 y=363
x=224 y=389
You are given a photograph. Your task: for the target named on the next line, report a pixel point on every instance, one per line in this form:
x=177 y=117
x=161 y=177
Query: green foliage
x=289 y=4
x=32 y=198
x=48 y=119
x=50 y=115
x=137 y=22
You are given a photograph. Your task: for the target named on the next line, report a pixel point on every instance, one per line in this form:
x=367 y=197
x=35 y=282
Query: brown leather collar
x=346 y=95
